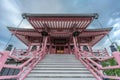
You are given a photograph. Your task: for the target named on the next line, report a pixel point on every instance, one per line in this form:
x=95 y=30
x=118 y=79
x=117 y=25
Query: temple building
x=60 y=29
x=59 y=48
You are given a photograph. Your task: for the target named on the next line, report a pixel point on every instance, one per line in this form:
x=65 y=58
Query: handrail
x=21 y=57
x=31 y=62
x=27 y=66
x=90 y=65
x=1 y=53
x=3 y=59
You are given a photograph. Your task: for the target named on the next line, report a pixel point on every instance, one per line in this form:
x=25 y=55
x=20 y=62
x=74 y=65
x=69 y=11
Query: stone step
x=62 y=61
x=47 y=73
x=37 y=68
x=59 y=62
x=35 y=78
x=59 y=68
x=71 y=71
x=59 y=59
x=57 y=75
x=52 y=63
x=59 y=72
x=60 y=55
x=59 y=65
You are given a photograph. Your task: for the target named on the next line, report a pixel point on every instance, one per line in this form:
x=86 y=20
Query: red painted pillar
x=44 y=43
x=3 y=58
x=106 y=52
x=117 y=57
x=90 y=47
x=75 y=45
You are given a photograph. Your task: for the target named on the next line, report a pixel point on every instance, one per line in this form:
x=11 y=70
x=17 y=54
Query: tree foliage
x=111 y=72
x=119 y=48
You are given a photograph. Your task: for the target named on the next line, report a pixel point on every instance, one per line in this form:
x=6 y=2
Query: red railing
x=25 y=68
x=95 y=67
x=101 y=53
x=30 y=60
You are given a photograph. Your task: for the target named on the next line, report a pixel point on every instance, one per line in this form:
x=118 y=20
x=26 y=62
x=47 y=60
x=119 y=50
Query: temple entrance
x=59 y=49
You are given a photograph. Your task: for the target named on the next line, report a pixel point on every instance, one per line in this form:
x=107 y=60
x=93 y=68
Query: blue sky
x=11 y=10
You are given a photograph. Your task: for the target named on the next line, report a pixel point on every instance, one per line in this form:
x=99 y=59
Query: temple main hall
x=59 y=47
x=60 y=29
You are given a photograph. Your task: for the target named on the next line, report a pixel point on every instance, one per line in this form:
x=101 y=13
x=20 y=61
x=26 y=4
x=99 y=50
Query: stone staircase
x=60 y=67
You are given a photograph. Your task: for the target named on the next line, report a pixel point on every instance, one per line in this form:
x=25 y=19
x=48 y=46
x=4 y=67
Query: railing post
x=117 y=57
x=106 y=52
x=13 y=49
x=3 y=59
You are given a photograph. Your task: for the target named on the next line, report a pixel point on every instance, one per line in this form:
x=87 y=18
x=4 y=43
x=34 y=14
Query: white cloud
x=7 y=5
x=2 y=45
x=110 y=21
x=25 y=24
x=116 y=31
x=116 y=34
x=116 y=13
x=115 y=23
x=118 y=41
x=9 y=13
x=41 y=6
x=75 y=2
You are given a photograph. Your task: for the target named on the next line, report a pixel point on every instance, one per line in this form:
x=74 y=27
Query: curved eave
x=93 y=35
x=97 y=34
x=22 y=34
x=19 y=29
x=103 y=31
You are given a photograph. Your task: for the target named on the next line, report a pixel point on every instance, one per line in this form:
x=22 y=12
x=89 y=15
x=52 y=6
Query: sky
x=11 y=10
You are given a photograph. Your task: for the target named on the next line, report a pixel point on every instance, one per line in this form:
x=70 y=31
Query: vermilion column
x=75 y=44
x=44 y=43
x=3 y=58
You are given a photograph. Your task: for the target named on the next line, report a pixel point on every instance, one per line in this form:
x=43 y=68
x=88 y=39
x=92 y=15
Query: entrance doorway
x=59 y=49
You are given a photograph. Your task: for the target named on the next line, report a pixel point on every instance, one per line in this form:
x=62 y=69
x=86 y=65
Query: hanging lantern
x=113 y=48
x=9 y=47
x=76 y=33
x=44 y=33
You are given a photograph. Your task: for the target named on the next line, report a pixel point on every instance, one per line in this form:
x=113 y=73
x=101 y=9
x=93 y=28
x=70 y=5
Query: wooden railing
x=25 y=68
x=93 y=64
x=29 y=59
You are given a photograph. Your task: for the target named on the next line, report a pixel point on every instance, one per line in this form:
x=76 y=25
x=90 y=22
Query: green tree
x=110 y=72
x=119 y=48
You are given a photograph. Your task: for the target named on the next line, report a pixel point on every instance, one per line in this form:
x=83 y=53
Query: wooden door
x=59 y=49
